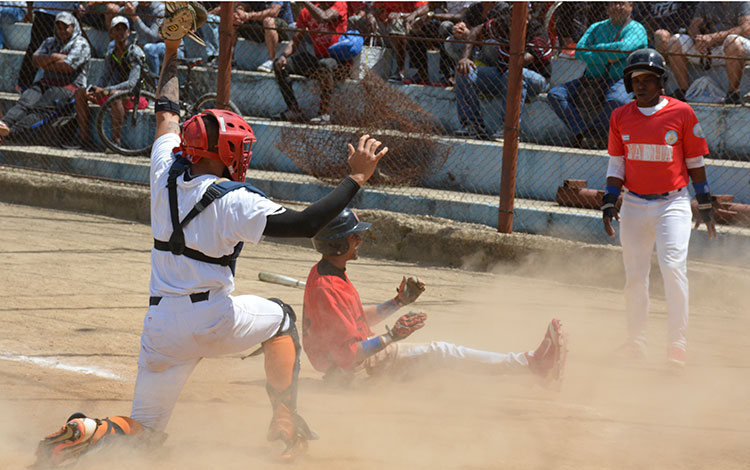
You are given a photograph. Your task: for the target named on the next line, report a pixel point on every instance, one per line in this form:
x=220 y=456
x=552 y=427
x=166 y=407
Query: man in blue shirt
x=585 y=104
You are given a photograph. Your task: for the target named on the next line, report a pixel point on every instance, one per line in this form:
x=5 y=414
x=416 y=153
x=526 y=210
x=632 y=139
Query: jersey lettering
x=650 y=152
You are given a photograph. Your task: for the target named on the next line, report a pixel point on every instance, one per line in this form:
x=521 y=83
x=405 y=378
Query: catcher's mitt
x=182 y=19
x=410 y=289
x=406 y=325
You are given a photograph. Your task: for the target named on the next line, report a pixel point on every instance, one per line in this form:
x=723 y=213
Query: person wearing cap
x=64 y=59
x=585 y=103
x=337 y=335
x=42 y=16
x=123 y=64
x=656 y=146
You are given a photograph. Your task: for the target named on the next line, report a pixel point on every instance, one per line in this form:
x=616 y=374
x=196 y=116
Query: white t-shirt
x=238 y=216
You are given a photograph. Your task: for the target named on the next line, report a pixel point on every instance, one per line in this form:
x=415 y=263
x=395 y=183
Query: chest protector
x=176 y=243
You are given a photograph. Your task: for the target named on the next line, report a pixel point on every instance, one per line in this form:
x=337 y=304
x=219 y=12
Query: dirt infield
x=74 y=290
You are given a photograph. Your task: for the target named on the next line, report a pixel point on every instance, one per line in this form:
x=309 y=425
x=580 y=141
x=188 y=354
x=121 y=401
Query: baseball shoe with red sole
x=676 y=356
x=548 y=360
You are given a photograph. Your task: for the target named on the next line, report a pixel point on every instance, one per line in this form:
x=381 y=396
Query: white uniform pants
x=666 y=223
x=178 y=333
x=410 y=358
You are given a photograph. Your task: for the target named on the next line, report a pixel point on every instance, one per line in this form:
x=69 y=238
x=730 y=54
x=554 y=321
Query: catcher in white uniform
x=201 y=213
x=655 y=145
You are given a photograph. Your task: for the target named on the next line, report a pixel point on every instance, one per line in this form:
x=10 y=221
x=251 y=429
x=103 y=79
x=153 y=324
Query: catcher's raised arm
x=181 y=19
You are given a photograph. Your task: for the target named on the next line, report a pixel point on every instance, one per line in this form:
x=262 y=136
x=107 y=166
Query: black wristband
x=705 y=208
x=609 y=201
x=165 y=104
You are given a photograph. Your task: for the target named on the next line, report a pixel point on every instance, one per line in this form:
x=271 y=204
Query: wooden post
x=226 y=40
x=519 y=19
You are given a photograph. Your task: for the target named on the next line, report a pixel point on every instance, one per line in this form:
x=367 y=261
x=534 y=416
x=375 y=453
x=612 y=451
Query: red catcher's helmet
x=236 y=138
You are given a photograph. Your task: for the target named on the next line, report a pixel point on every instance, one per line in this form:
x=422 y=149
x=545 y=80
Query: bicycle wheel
x=208 y=101
x=138 y=127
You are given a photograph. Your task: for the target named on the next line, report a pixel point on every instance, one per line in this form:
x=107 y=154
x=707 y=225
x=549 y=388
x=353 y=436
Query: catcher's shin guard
x=282 y=354
x=79 y=435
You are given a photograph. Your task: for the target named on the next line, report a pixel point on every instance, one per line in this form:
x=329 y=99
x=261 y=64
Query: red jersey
x=333 y=319
x=321 y=41
x=655 y=147
x=383 y=9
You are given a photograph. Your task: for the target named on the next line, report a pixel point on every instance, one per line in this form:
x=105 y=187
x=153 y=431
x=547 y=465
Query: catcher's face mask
x=236 y=139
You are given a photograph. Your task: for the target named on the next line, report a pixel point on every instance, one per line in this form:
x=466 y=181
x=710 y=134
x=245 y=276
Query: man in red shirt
x=327 y=17
x=337 y=338
x=655 y=144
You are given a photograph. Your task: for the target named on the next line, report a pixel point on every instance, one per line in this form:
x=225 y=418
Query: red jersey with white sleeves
x=322 y=41
x=655 y=147
x=333 y=319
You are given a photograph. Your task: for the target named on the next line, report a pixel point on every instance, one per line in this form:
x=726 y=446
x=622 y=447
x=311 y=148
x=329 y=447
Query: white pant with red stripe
x=666 y=223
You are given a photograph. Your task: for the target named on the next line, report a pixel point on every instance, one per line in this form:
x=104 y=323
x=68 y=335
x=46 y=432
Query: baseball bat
x=280 y=279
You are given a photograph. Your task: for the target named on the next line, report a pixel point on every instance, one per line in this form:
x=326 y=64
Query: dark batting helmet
x=648 y=60
x=331 y=240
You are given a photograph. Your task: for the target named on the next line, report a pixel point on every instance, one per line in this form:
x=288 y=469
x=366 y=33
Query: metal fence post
x=226 y=38
x=519 y=19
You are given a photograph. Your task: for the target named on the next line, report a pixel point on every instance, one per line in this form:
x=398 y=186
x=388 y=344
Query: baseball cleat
x=676 y=356
x=548 y=360
x=630 y=351
x=292 y=430
x=67 y=443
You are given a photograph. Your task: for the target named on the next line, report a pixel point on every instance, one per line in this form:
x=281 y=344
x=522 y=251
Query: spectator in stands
x=392 y=20
x=475 y=16
x=145 y=18
x=319 y=16
x=209 y=32
x=361 y=18
x=64 y=58
x=10 y=12
x=123 y=63
x=663 y=19
x=717 y=29
x=42 y=27
x=97 y=14
x=454 y=14
x=585 y=104
x=264 y=22
x=493 y=80
x=571 y=19
x=430 y=21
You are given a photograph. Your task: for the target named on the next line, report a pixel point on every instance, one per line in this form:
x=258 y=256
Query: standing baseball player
x=201 y=213
x=655 y=144
x=337 y=335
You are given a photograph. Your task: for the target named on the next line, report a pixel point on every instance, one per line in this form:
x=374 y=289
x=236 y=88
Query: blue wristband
x=371 y=346
x=612 y=190
x=701 y=188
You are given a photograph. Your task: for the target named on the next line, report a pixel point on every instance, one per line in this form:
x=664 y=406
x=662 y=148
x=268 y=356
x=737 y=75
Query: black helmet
x=644 y=59
x=331 y=240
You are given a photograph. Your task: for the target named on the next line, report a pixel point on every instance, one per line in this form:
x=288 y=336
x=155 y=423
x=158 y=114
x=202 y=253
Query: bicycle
x=135 y=135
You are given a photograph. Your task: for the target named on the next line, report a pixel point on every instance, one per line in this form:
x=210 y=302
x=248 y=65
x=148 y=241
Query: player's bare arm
x=169 y=88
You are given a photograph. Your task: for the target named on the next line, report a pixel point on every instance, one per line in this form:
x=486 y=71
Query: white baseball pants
x=411 y=358
x=666 y=223
x=177 y=334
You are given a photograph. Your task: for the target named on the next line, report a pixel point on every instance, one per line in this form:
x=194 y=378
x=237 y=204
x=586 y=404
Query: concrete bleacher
x=472 y=166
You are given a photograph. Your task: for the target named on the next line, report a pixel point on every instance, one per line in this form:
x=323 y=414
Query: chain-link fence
x=429 y=81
